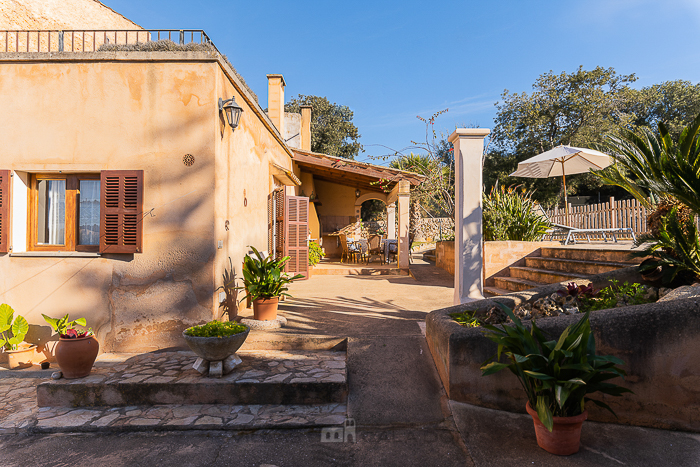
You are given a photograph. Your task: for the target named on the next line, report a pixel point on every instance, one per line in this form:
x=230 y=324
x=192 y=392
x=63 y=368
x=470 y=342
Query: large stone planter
x=216 y=348
x=657 y=341
x=217 y=355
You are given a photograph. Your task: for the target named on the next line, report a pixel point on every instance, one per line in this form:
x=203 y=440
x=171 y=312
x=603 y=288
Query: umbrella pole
x=566 y=199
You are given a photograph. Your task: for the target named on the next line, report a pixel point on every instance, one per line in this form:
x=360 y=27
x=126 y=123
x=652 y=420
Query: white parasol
x=560 y=161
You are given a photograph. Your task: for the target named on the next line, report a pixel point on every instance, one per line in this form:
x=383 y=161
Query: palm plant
x=557 y=375
x=651 y=167
x=510 y=214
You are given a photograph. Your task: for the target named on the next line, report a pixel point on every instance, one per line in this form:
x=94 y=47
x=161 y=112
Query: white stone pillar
x=469 y=266
x=391 y=221
x=404 y=214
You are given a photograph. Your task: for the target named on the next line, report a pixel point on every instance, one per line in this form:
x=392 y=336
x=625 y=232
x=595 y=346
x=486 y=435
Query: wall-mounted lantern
x=357 y=193
x=232 y=110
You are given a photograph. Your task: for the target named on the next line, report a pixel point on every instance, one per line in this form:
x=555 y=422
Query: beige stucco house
x=124 y=191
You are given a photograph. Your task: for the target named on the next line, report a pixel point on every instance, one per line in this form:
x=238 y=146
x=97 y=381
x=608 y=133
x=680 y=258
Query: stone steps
x=559 y=265
x=264 y=377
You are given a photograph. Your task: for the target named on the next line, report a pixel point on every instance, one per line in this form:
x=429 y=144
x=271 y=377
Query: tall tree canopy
x=579 y=109
x=332 y=130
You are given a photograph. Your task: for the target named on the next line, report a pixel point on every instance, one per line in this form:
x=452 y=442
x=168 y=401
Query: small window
x=64 y=212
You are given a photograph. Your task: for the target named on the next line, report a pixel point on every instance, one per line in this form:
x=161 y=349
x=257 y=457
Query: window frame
x=72 y=216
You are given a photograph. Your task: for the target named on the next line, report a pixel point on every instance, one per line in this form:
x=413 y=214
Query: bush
x=315 y=253
x=509 y=214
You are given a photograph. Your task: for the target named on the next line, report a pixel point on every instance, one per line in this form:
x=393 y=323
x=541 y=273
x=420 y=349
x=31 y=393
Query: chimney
x=275 y=101
x=306 y=127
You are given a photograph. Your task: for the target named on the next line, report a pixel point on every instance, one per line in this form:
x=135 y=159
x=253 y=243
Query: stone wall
x=657 y=341
x=498 y=256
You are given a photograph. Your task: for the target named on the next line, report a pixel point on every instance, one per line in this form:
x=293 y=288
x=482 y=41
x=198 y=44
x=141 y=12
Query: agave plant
x=263 y=276
x=510 y=214
x=557 y=375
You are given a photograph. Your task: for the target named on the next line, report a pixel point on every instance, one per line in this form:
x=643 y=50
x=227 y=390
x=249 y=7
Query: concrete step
x=514 y=284
x=543 y=275
x=429 y=257
x=496 y=291
x=264 y=377
x=574 y=265
x=584 y=254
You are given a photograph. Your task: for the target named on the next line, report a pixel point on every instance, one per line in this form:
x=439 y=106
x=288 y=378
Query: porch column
x=469 y=266
x=391 y=220
x=404 y=202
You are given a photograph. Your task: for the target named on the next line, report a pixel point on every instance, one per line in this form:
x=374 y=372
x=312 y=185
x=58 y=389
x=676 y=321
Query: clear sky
x=390 y=61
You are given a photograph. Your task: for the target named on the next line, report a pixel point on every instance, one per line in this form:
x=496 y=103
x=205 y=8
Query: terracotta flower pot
x=21 y=358
x=75 y=357
x=565 y=437
x=265 y=309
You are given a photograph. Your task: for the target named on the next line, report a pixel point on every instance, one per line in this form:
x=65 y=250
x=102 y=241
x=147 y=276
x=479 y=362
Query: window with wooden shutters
x=296 y=231
x=4 y=211
x=121 y=211
x=280 y=234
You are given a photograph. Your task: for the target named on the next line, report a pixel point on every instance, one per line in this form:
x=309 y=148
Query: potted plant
x=77 y=349
x=265 y=282
x=19 y=353
x=557 y=376
x=216 y=340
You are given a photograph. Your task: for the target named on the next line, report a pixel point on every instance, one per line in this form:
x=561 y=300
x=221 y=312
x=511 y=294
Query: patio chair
x=349 y=249
x=362 y=250
x=568 y=233
x=393 y=250
x=375 y=248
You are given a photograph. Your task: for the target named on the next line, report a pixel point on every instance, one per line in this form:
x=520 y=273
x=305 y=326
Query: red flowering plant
x=66 y=329
x=578 y=291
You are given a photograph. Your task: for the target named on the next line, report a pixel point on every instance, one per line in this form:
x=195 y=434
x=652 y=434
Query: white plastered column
x=391 y=220
x=404 y=195
x=469 y=266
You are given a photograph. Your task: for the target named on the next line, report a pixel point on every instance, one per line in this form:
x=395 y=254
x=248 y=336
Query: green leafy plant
x=230 y=303
x=609 y=297
x=675 y=249
x=216 y=329
x=509 y=214
x=467 y=319
x=264 y=277
x=66 y=329
x=557 y=375
x=18 y=326
x=315 y=253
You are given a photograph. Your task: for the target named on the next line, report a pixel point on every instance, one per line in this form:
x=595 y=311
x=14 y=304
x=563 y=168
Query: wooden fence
x=610 y=215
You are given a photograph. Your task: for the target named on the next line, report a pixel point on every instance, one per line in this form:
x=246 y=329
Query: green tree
x=332 y=130
x=575 y=109
x=675 y=103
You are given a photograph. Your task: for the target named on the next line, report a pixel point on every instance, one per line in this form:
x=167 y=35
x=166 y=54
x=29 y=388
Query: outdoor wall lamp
x=357 y=193
x=232 y=110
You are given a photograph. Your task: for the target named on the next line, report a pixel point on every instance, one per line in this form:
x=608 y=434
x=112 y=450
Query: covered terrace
x=337 y=187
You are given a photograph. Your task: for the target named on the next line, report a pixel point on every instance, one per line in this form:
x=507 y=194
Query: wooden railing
x=628 y=213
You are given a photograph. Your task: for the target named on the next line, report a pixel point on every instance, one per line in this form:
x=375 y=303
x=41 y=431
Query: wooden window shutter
x=4 y=211
x=121 y=211
x=279 y=225
x=296 y=232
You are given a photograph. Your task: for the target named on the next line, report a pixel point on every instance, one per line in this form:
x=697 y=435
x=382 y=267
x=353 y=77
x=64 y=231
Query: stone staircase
x=557 y=265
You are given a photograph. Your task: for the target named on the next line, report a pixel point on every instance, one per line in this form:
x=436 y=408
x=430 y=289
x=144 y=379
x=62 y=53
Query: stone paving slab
x=19 y=413
x=263 y=377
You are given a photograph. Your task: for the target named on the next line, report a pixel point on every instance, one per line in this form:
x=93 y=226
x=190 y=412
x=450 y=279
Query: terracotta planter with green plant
x=13 y=329
x=557 y=376
x=77 y=349
x=265 y=282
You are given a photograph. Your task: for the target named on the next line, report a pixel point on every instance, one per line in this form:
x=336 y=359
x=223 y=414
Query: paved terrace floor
x=396 y=398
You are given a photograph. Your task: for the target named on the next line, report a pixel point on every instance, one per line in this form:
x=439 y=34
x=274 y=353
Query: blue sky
x=390 y=61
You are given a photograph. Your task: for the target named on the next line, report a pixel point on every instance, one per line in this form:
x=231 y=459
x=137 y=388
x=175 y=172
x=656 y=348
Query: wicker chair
x=375 y=248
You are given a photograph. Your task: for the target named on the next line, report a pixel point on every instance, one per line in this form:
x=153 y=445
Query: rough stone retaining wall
x=657 y=341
